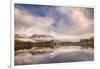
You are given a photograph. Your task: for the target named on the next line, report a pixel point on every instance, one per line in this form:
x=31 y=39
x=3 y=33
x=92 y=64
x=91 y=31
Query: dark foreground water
x=61 y=54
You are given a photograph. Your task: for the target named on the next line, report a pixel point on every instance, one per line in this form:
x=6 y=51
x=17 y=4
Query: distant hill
x=41 y=36
x=82 y=42
x=18 y=36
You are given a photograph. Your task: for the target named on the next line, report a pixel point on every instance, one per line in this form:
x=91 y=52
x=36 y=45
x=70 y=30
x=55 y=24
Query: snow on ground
x=61 y=54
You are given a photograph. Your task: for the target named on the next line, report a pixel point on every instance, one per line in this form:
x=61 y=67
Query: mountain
x=41 y=36
x=18 y=36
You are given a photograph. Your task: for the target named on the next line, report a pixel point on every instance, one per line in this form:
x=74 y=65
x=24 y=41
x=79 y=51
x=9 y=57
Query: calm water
x=61 y=54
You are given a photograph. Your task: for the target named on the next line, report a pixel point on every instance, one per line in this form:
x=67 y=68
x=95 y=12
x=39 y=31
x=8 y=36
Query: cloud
x=27 y=23
x=80 y=24
x=69 y=22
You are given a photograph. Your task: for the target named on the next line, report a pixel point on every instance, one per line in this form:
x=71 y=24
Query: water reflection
x=61 y=54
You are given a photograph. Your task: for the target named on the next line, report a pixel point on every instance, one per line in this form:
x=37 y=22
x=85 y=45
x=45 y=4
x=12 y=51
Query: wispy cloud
x=25 y=23
x=71 y=22
x=80 y=24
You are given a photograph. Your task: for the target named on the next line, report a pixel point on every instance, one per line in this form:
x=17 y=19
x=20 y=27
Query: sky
x=59 y=21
